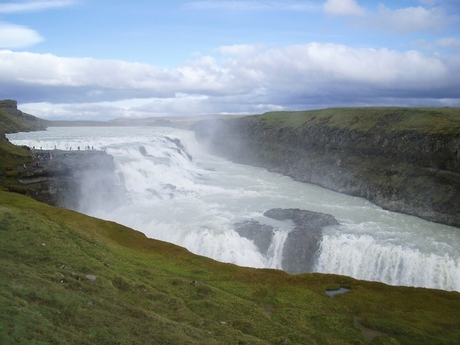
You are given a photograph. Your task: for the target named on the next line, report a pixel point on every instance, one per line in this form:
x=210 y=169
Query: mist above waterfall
x=169 y=187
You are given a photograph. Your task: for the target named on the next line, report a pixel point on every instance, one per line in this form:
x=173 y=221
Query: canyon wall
x=60 y=178
x=400 y=159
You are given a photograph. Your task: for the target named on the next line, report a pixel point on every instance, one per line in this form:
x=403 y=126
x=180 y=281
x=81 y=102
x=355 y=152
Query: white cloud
x=180 y=105
x=17 y=36
x=343 y=7
x=409 y=20
x=13 y=7
x=248 y=79
x=241 y=49
x=449 y=42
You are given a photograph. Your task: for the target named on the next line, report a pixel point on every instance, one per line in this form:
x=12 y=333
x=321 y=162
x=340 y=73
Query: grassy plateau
x=66 y=278
x=394 y=119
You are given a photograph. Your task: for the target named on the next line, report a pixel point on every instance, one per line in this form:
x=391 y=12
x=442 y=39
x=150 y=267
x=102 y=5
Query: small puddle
x=332 y=293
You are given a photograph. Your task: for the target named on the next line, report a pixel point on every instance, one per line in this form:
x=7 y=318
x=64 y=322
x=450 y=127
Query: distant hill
x=174 y=122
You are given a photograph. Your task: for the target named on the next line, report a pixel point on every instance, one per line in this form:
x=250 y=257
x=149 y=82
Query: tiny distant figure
x=78 y=148
x=92 y=147
x=24 y=167
x=70 y=148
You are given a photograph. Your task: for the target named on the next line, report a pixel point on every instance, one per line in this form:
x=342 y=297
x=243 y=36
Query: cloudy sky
x=105 y=59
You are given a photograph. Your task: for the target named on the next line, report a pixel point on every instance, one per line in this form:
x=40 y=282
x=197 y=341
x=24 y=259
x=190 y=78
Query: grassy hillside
x=13 y=120
x=70 y=279
x=392 y=119
x=11 y=157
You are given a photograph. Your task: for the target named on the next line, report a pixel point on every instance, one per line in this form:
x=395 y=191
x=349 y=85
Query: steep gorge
x=402 y=159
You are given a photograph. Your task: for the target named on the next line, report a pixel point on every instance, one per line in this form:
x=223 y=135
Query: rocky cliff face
x=302 y=241
x=60 y=178
x=8 y=104
x=404 y=171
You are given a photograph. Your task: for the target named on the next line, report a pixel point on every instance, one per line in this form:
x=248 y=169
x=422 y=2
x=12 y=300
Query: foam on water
x=363 y=257
x=178 y=193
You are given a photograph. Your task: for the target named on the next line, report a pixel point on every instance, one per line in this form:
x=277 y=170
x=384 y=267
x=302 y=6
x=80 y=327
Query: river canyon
x=168 y=185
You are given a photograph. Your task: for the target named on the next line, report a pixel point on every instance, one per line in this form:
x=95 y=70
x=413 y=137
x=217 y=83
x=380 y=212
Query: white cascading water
x=185 y=196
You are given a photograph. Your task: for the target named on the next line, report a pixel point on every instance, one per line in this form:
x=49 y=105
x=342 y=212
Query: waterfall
x=363 y=257
x=275 y=251
x=175 y=191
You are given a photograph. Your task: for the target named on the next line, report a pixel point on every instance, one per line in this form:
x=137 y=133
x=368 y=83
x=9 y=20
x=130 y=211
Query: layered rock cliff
x=403 y=159
x=60 y=178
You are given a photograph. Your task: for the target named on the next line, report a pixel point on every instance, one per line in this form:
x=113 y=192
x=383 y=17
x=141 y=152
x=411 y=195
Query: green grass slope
x=66 y=278
x=392 y=119
x=13 y=120
x=11 y=156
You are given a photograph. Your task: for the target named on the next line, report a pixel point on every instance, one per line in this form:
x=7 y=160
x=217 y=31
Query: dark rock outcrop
x=66 y=178
x=8 y=104
x=302 y=243
x=260 y=234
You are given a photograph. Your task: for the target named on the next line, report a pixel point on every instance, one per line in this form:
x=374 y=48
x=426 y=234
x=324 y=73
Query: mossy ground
x=391 y=119
x=12 y=158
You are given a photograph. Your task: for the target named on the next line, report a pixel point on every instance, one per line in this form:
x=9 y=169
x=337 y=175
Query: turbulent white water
x=194 y=202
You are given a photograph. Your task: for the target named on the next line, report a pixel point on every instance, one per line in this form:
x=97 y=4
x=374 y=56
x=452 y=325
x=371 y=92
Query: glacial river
x=188 y=197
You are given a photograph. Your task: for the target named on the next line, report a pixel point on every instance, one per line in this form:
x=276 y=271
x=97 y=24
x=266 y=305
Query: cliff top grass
x=11 y=156
x=389 y=119
x=67 y=278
